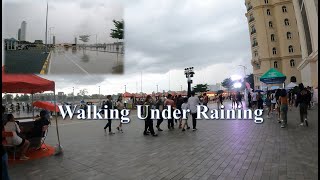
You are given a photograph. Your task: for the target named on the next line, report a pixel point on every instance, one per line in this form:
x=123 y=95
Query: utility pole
x=47 y=29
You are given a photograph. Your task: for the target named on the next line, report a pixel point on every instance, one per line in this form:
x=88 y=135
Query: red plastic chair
x=5 y=143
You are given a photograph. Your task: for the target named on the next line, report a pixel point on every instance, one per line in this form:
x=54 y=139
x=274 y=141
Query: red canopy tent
x=126 y=94
x=29 y=83
x=46 y=105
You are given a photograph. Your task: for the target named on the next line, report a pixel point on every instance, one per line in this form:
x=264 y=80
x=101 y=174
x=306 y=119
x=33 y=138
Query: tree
x=24 y=97
x=201 y=88
x=16 y=98
x=7 y=98
x=227 y=83
x=83 y=92
x=117 y=33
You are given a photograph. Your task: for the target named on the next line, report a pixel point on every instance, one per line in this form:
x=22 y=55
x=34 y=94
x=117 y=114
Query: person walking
x=193 y=101
x=260 y=100
x=273 y=102
x=254 y=100
x=179 y=104
x=239 y=100
x=220 y=100
x=268 y=104
x=108 y=106
x=205 y=99
x=185 y=106
x=159 y=106
x=302 y=101
x=249 y=100
x=278 y=93
x=283 y=107
x=148 y=121
x=169 y=102
x=234 y=100
x=119 y=106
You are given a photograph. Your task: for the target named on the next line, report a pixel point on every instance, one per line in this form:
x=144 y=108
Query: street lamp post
x=181 y=87
x=73 y=96
x=99 y=96
x=189 y=74
x=125 y=88
x=244 y=80
x=157 y=88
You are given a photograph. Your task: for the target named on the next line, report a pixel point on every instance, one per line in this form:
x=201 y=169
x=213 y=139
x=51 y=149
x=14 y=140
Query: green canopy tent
x=273 y=76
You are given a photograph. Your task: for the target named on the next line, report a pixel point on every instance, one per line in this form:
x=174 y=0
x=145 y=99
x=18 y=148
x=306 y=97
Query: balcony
x=254 y=44
x=253 y=31
x=249 y=8
x=251 y=19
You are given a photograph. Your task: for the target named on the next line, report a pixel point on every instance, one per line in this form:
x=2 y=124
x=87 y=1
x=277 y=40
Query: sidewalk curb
x=46 y=65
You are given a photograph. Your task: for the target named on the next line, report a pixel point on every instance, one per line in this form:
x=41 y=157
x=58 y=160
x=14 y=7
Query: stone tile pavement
x=220 y=149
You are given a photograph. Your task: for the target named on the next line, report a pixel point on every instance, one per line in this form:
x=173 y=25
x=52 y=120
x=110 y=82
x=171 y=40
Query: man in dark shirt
x=38 y=124
x=108 y=103
x=303 y=101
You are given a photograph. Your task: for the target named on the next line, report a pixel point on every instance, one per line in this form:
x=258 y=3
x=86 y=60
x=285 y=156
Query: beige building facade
x=307 y=20
x=274 y=37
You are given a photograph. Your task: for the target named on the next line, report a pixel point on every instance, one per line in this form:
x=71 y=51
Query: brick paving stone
x=235 y=149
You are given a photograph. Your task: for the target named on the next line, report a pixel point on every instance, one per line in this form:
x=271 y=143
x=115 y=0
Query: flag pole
x=46 y=29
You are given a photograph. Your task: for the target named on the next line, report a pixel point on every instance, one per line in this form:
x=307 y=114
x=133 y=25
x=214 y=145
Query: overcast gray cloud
x=164 y=37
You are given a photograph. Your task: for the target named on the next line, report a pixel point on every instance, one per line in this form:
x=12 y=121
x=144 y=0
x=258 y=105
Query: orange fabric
x=32 y=154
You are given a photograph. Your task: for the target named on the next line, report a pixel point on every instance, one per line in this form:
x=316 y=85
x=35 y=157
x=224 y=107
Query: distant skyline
x=68 y=19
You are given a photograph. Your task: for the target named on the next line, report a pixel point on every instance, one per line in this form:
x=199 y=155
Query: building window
x=268 y=12
x=284 y=9
x=286 y=22
x=274 y=50
x=272 y=37
x=293 y=79
x=289 y=36
x=275 y=64
x=290 y=49
x=270 y=24
x=266 y=1
x=292 y=64
x=255 y=53
x=253 y=30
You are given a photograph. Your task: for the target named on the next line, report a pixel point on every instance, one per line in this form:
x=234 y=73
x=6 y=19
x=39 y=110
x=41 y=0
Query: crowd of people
x=280 y=101
x=161 y=103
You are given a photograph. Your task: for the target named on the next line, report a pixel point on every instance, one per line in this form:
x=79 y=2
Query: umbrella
x=46 y=105
x=291 y=85
x=258 y=90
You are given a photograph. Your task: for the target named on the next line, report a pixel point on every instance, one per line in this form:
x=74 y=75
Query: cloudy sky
x=162 y=38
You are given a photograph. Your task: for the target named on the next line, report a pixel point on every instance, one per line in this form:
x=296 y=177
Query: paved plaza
x=84 y=62
x=220 y=149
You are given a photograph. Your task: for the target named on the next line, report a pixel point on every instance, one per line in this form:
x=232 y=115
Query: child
x=185 y=106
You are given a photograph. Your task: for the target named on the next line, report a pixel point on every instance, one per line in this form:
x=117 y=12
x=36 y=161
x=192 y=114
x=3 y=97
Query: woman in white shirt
x=12 y=126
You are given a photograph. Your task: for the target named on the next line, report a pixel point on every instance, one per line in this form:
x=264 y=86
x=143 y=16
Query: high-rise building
x=19 y=34
x=307 y=20
x=274 y=39
x=53 y=40
x=23 y=31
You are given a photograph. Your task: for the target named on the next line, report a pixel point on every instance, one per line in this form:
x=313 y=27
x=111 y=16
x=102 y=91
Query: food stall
x=29 y=84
